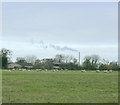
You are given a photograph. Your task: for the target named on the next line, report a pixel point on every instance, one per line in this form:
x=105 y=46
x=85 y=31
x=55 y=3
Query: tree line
x=92 y=62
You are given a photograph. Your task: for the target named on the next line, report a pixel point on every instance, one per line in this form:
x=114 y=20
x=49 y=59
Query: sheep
x=83 y=70
x=37 y=70
x=13 y=69
x=20 y=69
x=54 y=70
x=97 y=71
x=110 y=71
x=57 y=70
x=105 y=71
x=46 y=70
x=9 y=70
x=23 y=69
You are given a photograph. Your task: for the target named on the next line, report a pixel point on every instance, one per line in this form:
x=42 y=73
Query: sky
x=45 y=29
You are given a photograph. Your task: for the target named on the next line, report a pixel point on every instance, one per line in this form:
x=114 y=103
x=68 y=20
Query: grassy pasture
x=59 y=87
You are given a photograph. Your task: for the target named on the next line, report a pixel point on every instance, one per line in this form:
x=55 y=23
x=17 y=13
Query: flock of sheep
x=56 y=70
x=105 y=71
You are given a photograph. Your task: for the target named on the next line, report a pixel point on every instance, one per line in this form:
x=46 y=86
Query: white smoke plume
x=56 y=47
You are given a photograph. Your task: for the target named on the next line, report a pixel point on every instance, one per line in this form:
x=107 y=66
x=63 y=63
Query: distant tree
x=5 y=55
x=114 y=65
x=69 y=59
x=95 y=61
x=37 y=64
x=37 y=61
x=60 y=58
x=107 y=67
x=91 y=62
x=3 y=62
x=30 y=59
x=47 y=64
x=65 y=58
x=74 y=60
x=67 y=62
x=5 y=52
x=104 y=61
x=87 y=63
x=20 y=60
x=101 y=67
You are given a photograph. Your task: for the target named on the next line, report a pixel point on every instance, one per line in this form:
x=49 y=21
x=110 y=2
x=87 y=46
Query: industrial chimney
x=79 y=59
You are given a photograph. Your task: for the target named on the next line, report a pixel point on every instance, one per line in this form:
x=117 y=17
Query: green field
x=59 y=87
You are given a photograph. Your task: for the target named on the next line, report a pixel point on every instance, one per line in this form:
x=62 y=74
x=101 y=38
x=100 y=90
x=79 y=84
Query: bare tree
x=69 y=59
x=87 y=58
x=20 y=60
x=104 y=61
x=5 y=52
x=95 y=59
x=64 y=58
x=87 y=62
x=91 y=62
x=60 y=58
x=30 y=59
x=74 y=60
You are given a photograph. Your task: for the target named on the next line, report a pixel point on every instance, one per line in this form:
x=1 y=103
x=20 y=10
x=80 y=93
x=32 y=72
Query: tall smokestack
x=79 y=58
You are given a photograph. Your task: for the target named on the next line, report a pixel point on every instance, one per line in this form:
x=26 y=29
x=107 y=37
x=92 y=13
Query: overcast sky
x=47 y=29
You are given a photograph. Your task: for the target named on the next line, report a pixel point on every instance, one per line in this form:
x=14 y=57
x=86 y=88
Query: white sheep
x=23 y=69
x=57 y=70
x=37 y=70
x=20 y=69
x=83 y=70
x=97 y=71
x=46 y=70
x=110 y=71
x=13 y=69
x=54 y=70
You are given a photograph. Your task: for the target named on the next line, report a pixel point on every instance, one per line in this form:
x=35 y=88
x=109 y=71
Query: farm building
x=56 y=65
x=13 y=65
x=20 y=65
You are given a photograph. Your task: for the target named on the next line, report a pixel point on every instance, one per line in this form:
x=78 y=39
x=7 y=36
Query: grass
x=0 y=86
x=59 y=87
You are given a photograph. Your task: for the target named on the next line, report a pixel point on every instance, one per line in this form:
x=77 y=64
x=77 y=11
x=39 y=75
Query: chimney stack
x=79 y=58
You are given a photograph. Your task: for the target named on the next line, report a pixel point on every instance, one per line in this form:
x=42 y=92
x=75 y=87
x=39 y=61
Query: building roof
x=22 y=64
x=56 y=63
x=25 y=64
